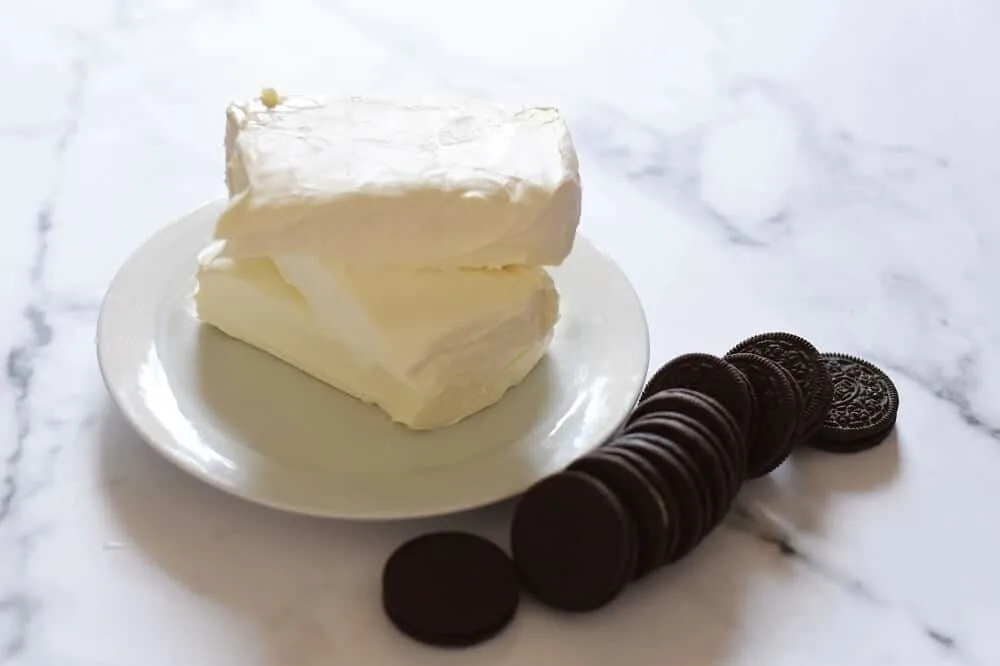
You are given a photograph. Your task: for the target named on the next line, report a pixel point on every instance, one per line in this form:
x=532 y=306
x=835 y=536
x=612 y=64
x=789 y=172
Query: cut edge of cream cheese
x=249 y=300
x=427 y=327
x=427 y=184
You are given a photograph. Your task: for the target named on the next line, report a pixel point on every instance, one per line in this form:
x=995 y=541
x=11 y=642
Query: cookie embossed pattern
x=650 y=495
x=864 y=407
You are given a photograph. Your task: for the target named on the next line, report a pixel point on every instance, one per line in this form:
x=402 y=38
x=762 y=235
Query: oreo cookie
x=709 y=375
x=642 y=501
x=667 y=494
x=801 y=359
x=773 y=437
x=864 y=407
x=573 y=542
x=754 y=415
x=800 y=399
x=717 y=474
x=705 y=409
x=733 y=474
x=680 y=474
x=450 y=589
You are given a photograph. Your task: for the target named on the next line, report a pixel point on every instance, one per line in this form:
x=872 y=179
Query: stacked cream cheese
x=394 y=251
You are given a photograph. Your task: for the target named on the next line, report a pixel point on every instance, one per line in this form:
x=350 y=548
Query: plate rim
x=142 y=425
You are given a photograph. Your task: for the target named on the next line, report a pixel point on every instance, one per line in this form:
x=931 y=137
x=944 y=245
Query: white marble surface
x=825 y=167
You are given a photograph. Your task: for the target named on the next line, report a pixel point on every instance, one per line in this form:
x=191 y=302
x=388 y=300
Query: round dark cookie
x=734 y=440
x=652 y=475
x=641 y=500
x=570 y=542
x=754 y=418
x=712 y=463
x=692 y=460
x=855 y=446
x=680 y=474
x=811 y=428
x=632 y=543
x=709 y=375
x=774 y=437
x=448 y=641
x=734 y=476
x=698 y=406
x=450 y=589
x=865 y=401
x=653 y=404
x=801 y=359
x=800 y=398
x=719 y=454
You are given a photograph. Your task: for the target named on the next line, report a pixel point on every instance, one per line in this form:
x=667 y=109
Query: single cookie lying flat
x=450 y=589
x=864 y=406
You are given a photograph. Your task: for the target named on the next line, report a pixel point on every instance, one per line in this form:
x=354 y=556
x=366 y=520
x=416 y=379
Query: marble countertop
x=823 y=167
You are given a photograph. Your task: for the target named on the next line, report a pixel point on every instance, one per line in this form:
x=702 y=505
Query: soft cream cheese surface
x=376 y=183
x=426 y=327
x=428 y=348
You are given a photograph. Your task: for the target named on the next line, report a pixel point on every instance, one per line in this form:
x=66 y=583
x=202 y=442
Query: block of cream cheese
x=429 y=347
x=369 y=182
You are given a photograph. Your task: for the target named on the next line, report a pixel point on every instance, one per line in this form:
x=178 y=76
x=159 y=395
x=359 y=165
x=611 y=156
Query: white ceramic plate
x=255 y=427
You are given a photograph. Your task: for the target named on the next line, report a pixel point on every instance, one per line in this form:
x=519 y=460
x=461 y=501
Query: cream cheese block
x=376 y=183
x=428 y=347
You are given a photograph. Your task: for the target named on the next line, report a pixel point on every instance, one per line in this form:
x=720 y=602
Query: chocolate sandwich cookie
x=694 y=461
x=450 y=589
x=801 y=359
x=709 y=375
x=680 y=474
x=720 y=455
x=810 y=428
x=572 y=542
x=632 y=543
x=667 y=494
x=721 y=479
x=864 y=407
x=702 y=408
x=772 y=440
x=800 y=398
x=642 y=501
x=735 y=440
x=856 y=446
x=754 y=414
